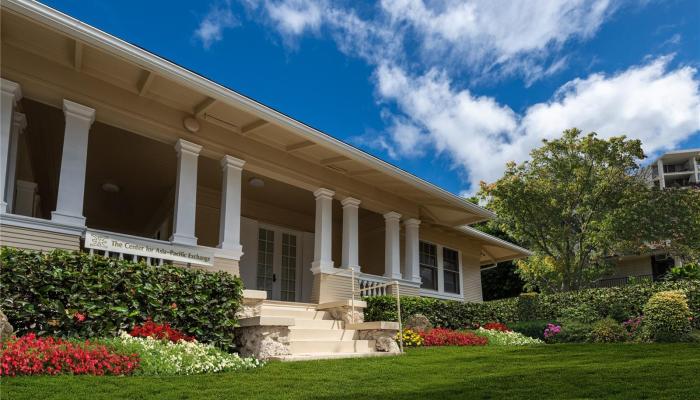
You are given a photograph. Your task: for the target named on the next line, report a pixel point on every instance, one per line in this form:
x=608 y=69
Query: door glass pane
x=266 y=245
x=428 y=266
x=289 y=267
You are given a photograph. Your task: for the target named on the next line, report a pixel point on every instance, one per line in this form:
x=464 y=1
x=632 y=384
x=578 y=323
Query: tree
x=565 y=203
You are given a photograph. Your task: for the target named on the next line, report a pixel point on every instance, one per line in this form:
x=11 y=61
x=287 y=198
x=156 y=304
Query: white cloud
x=211 y=28
x=646 y=102
x=295 y=16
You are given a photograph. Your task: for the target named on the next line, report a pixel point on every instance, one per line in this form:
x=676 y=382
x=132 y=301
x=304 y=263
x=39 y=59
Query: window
x=450 y=270
x=428 y=266
x=289 y=266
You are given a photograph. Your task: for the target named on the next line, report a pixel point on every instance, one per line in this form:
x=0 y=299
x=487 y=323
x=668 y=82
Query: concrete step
x=317 y=324
x=332 y=356
x=293 y=313
x=322 y=334
x=333 y=346
x=289 y=305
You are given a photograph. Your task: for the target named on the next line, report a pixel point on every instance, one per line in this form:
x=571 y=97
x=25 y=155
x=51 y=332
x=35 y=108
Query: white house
x=108 y=148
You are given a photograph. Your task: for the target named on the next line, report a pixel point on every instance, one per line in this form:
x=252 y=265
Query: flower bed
x=448 y=337
x=159 y=331
x=164 y=357
x=506 y=338
x=30 y=355
x=496 y=326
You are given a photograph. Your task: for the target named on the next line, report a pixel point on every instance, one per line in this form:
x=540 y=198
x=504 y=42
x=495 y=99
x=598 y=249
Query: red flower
x=79 y=317
x=448 y=337
x=159 y=331
x=496 y=326
x=30 y=355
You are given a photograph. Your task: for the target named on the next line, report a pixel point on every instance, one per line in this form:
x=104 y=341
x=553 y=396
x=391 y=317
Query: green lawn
x=630 y=371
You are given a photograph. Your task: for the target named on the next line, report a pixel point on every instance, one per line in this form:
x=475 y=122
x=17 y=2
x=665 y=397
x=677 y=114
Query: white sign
x=145 y=248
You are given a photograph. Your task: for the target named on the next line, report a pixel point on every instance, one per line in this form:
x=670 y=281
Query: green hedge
x=42 y=292
x=627 y=301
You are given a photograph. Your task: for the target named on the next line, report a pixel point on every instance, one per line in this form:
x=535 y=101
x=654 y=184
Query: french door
x=279 y=262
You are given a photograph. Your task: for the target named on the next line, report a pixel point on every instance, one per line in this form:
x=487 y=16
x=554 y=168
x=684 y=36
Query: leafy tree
x=565 y=204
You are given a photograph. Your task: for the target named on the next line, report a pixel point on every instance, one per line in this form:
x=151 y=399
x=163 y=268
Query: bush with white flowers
x=162 y=357
x=509 y=338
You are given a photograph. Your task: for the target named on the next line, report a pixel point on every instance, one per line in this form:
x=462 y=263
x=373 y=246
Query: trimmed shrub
x=74 y=295
x=607 y=331
x=581 y=313
x=667 y=317
x=618 y=302
x=572 y=332
x=533 y=329
x=687 y=271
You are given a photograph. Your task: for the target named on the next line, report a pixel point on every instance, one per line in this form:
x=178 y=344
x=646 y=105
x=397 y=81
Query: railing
x=372 y=285
x=127 y=256
x=623 y=281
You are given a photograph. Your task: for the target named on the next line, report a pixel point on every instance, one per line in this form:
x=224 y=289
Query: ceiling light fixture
x=110 y=187
x=191 y=124
x=256 y=182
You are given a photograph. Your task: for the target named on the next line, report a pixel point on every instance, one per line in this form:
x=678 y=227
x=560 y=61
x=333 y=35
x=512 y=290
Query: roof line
x=471 y=231
x=148 y=60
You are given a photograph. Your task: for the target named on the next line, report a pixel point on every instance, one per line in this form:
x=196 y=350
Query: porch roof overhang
x=493 y=249
x=102 y=56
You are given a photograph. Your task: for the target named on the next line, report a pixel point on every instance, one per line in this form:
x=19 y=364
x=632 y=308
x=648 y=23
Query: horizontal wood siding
x=333 y=287
x=34 y=239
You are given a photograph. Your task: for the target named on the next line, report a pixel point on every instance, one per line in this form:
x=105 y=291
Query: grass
x=617 y=371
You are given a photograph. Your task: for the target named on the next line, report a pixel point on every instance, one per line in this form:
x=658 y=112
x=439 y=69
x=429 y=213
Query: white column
x=71 y=184
x=323 y=235
x=350 y=234
x=230 y=218
x=25 y=200
x=19 y=122
x=392 y=250
x=660 y=167
x=185 y=193
x=11 y=94
x=412 y=257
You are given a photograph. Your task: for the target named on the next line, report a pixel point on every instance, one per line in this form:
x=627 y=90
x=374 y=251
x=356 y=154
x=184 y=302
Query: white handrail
x=380 y=283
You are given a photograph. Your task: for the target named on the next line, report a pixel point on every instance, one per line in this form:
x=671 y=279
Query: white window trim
x=440 y=293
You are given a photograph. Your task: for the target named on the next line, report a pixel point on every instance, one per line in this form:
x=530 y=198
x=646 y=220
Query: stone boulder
x=5 y=327
x=418 y=323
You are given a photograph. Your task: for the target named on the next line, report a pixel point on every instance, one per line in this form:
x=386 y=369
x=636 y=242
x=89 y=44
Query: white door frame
x=277 y=259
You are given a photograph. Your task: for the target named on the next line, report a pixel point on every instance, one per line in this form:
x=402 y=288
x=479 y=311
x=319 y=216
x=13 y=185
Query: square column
x=412 y=254
x=71 y=184
x=19 y=122
x=26 y=198
x=323 y=235
x=392 y=250
x=662 y=180
x=11 y=94
x=230 y=216
x=350 y=234
x=185 y=193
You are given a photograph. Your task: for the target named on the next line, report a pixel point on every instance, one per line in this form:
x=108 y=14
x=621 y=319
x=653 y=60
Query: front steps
x=291 y=331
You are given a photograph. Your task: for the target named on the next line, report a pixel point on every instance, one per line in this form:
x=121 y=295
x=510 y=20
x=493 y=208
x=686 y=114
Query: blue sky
x=448 y=90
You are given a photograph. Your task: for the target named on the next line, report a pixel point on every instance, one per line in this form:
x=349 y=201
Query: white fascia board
x=493 y=240
x=99 y=39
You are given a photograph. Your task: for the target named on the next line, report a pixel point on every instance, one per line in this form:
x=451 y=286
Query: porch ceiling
x=77 y=52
